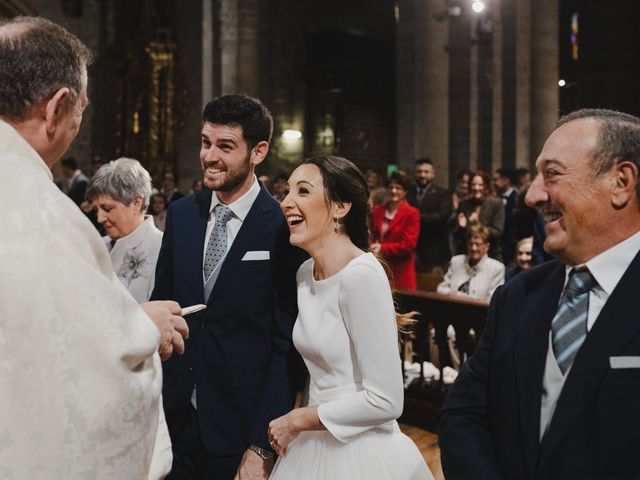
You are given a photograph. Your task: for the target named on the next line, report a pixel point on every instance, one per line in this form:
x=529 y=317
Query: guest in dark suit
x=504 y=181
x=229 y=248
x=395 y=227
x=481 y=207
x=169 y=187
x=552 y=389
x=76 y=180
x=436 y=206
x=76 y=189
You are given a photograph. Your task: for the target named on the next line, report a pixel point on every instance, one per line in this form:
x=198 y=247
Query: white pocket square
x=256 y=255
x=624 y=362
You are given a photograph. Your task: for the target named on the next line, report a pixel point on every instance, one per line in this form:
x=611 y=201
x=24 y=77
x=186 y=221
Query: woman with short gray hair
x=119 y=192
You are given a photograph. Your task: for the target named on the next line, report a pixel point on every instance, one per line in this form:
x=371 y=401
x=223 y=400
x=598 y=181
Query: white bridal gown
x=346 y=332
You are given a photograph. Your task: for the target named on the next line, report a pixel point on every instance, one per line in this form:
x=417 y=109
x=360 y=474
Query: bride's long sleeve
x=368 y=312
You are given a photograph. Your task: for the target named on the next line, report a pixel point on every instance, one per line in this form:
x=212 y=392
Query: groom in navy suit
x=553 y=388
x=228 y=247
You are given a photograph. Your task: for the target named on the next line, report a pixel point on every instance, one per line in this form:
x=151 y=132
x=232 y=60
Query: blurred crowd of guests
x=473 y=237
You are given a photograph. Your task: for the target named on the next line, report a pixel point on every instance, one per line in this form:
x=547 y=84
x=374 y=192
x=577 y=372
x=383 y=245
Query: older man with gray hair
x=551 y=391
x=80 y=378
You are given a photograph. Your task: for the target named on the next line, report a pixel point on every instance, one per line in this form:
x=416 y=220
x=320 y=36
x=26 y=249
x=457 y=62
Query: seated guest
x=120 y=192
x=158 y=210
x=474 y=274
x=396 y=226
x=523 y=257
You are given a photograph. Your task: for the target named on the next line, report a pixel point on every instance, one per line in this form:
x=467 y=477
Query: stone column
x=523 y=83
x=228 y=46
x=207 y=51
x=407 y=52
x=460 y=94
x=423 y=85
x=544 y=72
x=500 y=90
x=248 y=60
x=474 y=117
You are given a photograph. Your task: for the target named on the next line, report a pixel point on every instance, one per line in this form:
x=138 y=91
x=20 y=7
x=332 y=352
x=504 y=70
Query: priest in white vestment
x=80 y=379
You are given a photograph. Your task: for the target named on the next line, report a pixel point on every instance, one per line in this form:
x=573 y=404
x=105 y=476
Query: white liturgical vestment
x=80 y=379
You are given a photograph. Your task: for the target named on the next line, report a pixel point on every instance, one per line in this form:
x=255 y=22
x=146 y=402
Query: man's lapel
x=615 y=326
x=194 y=252
x=531 y=344
x=254 y=223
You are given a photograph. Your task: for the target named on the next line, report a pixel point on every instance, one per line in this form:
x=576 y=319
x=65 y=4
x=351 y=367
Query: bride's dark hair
x=344 y=182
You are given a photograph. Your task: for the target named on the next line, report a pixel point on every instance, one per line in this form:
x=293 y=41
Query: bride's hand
x=282 y=431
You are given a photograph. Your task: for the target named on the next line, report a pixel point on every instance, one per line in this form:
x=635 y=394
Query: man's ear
x=259 y=152
x=340 y=209
x=55 y=108
x=625 y=176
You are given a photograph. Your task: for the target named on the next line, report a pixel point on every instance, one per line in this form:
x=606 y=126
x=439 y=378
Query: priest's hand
x=173 y=328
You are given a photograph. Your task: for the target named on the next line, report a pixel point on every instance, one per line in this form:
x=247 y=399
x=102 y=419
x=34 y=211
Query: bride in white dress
x=346 y=332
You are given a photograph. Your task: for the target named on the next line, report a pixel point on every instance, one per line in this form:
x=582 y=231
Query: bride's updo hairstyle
x=344 y=182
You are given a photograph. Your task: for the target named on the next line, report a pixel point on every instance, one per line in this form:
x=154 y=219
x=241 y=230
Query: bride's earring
x=336 y=227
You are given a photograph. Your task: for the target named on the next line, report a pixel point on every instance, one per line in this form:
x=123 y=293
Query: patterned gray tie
x=217 y=246
x=569 y=326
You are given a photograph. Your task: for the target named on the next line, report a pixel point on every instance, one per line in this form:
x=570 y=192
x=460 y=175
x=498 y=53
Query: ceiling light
x=291 y=135
x=477 y=6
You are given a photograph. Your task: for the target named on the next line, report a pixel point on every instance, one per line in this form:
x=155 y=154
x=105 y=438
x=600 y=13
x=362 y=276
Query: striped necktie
x=569 y=326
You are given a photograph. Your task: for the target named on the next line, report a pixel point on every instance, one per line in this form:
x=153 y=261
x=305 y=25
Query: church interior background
x=469 y=84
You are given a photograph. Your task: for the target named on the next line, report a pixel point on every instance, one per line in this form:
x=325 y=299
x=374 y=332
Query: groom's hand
x=254 y=467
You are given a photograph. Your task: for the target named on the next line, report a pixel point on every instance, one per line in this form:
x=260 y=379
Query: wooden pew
x=423 y=398
x=428 y=281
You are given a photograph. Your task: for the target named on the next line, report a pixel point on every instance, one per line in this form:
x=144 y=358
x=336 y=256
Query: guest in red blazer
x=395 y=227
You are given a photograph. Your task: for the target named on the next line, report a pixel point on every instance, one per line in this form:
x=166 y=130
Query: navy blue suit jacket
x=490 y=425
x=508 y=235
x=237 y=348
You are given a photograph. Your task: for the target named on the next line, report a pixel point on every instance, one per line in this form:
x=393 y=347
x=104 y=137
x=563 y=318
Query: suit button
x=202 y=325
x=192 y=368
